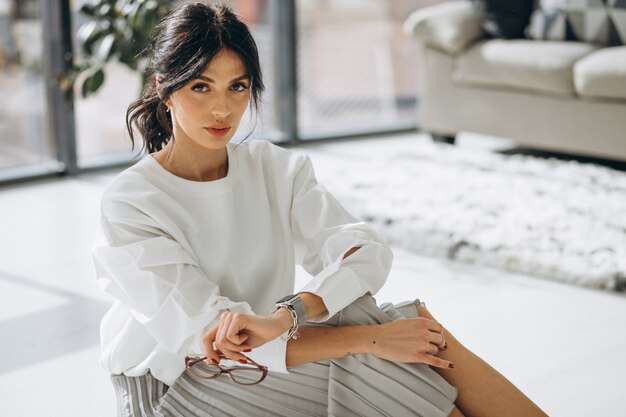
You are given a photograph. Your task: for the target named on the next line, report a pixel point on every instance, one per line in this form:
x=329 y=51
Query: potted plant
x=115 y=30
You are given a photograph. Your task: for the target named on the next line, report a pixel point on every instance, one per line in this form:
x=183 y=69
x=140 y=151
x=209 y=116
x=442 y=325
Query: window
x=26 y=147
x=356 y=69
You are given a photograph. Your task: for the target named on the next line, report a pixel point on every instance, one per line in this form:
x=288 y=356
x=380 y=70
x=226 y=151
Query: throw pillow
x=600 y=22
x=504 y=18
x=617 y=13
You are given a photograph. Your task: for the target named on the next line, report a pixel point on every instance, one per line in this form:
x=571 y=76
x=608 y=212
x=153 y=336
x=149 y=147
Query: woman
x=200 y=239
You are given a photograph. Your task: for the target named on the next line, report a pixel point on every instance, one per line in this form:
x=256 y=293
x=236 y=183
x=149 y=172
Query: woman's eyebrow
x=241 y=77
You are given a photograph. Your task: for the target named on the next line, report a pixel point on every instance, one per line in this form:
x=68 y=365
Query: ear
x=159 y=90
x=158 y=81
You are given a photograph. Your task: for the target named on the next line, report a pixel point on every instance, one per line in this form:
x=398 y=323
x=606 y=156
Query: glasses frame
x=192 y=360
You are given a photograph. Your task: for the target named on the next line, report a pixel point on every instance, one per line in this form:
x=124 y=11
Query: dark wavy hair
x=184 y=44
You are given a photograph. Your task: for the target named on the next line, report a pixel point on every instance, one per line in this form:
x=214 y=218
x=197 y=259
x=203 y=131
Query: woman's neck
x=193 y=163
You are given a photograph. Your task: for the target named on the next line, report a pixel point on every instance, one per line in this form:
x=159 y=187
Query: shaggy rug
x=560 y=220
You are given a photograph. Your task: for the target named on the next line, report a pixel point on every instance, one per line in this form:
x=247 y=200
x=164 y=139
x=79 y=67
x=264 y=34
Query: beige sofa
x=554 y=95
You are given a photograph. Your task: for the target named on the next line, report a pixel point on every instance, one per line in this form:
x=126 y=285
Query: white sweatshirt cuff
x=337 y=291
x=273 y=354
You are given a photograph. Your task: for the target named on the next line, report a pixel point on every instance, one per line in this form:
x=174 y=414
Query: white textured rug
x=564 y=221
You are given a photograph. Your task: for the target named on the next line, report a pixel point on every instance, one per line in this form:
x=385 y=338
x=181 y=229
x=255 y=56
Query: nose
x=220 y=108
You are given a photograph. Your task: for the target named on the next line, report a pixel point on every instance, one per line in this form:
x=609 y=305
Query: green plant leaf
x=106 y=10
x=126 y=8
x=88 y=36
x=130 y=48
x=117 y=29
x=149 y=17
x=106 y=48
x=88 y=9
x=86 y=31
x=93 y=82
x=134 y=14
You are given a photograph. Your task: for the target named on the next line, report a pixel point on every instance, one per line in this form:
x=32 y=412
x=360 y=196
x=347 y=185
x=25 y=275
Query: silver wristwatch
x=294 y=305
x=294 y=302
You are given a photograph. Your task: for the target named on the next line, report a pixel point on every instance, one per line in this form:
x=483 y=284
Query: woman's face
x=207 y=110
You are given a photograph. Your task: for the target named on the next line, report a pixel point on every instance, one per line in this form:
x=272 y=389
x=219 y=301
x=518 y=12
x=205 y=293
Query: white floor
x=564 y=346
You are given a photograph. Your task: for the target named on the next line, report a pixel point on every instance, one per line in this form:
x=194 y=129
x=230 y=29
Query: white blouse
x=175 y=253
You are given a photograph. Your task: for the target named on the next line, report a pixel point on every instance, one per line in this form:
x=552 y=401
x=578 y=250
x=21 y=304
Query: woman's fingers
x=212 y=345
x=227 y=347
x=233 y=354
x=209 y=351
x=437 y=339
x=437 y=333
x=438 y=362
x=433 y=325
x=431 y=349
x=235 y=326
x=411 y=340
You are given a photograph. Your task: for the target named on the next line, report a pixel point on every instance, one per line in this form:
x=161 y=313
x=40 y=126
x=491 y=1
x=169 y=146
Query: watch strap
x=295 y=302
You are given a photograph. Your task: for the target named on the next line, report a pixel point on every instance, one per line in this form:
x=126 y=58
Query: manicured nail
x=218 y=352
x=248 y=350
x=215 y=362
x=451 y=365
x=243 y=361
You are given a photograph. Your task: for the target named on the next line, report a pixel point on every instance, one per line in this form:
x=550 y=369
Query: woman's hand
x=409 y=340
x=237 y=332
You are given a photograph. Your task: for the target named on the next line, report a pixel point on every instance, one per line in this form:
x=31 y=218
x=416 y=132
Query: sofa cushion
x=449 y=27
x=602 y=74
x=522 y=64
x=593 y=21
x=504 y=19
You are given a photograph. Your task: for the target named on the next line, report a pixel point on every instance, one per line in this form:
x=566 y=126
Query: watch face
x=287 y=298
x=294 y=302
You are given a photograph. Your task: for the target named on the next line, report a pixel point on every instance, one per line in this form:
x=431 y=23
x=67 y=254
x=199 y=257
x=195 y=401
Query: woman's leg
x=483 y=391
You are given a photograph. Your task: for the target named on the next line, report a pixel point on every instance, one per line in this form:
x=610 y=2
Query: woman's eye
x=200 y=88
x=239 y=87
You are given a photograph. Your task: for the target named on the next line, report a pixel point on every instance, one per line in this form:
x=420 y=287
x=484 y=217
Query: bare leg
x=483 y=391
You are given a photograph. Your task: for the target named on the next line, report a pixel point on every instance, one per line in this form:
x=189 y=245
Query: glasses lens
x=246 y=375
x=202 y=370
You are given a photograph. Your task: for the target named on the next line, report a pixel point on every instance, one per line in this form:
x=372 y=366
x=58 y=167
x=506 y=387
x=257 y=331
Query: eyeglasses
x=246 y=374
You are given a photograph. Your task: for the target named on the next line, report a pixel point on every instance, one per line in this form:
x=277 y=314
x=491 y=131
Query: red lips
x=218 y=129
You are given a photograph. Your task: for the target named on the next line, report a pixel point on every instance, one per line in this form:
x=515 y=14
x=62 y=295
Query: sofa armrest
x=450 y=27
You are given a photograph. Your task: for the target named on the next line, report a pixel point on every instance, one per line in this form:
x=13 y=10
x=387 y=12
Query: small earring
x=167 y=110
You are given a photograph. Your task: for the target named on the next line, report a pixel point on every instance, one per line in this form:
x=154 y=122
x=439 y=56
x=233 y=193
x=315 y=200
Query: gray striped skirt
x=359 y=385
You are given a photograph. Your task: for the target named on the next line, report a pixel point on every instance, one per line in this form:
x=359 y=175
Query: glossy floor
x=563 y=346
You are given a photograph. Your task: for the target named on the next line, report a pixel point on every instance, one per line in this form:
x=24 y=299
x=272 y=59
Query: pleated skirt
x=358 y=385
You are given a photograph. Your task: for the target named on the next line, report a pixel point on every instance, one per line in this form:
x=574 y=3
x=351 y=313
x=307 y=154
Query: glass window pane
x=256 y=14
x=356 y=69
x=25 y=142
x=100 y=118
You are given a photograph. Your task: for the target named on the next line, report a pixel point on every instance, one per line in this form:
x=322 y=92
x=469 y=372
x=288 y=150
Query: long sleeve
x=323 y=232
x=163 y=286
x=158 y=280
